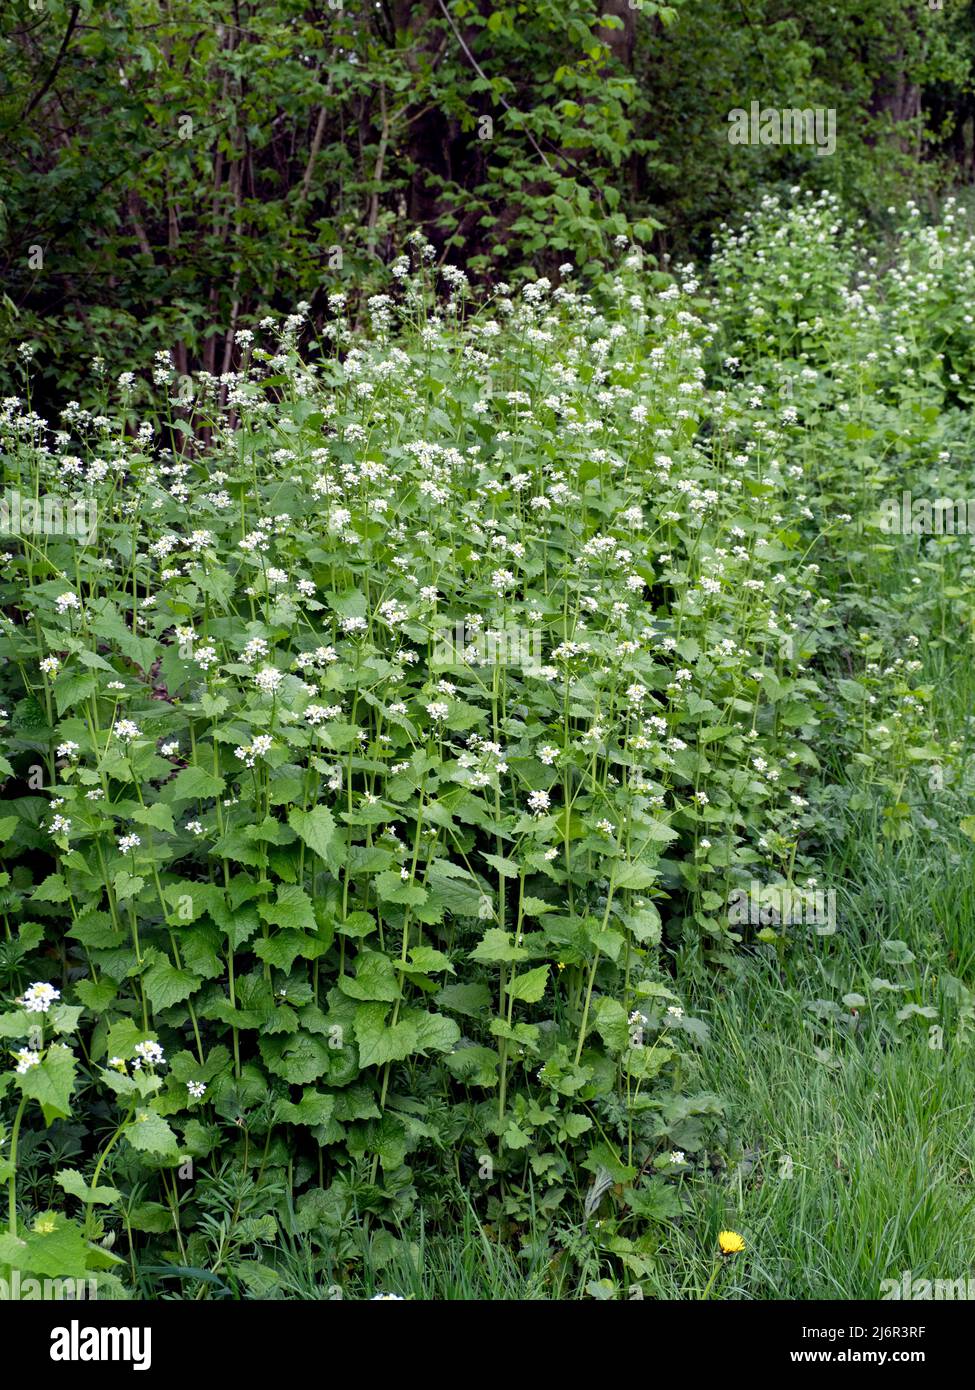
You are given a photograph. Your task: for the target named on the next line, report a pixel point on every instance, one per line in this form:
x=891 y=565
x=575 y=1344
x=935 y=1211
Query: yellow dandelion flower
x=730 y=1242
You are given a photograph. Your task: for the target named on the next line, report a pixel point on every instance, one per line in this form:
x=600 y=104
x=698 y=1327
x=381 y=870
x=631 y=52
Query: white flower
x=27 y=1058
x=197 y=1089
x=438 y=709
x=66 y=601
x=126 y=730
x=315 y=714
x=268 y=679
x=170 y=749
x=676 y=1156
x=50 y=665
x=127 y=842
x=547 y=754
x=150 y=1053
x=387 y=1298
x=538 y=802
x=39 y=998
x=255 y=647
x=68 y=749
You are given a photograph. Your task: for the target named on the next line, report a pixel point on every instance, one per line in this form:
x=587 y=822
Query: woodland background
x=171 y=168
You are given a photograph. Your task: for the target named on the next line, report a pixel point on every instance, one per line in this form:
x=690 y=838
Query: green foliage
x=171 y=173
x=419 y=715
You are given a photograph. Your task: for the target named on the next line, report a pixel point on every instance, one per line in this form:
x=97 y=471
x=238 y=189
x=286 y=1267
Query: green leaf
x=470 y=1000
x=149 y=1133
x=496 y=946
x=17 y=1023
x=158 y=815
x=297 y=1057
x=379 y=1044
x=506 y=867
x=165 y=985
x=51 y=1082
x=72 y=689
x=374 y=978
x=314 y=1108
x=128 y=885
x=292 y=909
x=96 y=997
x=281 y=949
x=195 y=784
x=529 y=986
x=435 y=1032
x=318 y=830
x=474 y=1066
x=428 y=961
x=52 y=890
x=635 y=876
x=55 y=1248
x=72 y=1181
x=610 y=1022
x=64 y=1017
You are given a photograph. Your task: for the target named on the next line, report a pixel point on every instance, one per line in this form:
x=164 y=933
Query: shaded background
x=172 y=168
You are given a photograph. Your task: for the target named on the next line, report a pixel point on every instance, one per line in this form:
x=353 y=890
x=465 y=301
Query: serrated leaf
x=73 y=1182
x=378 y=1043
x=165 y=985
x=195 y=784
x=529 y=986
x=297 y=1057
x=319 y=832
x=51 y=1082
x=314 y=1108
x=52 y=890
x=149 y=1133
x=496 y=946
x=374 y=979
x=292 y=909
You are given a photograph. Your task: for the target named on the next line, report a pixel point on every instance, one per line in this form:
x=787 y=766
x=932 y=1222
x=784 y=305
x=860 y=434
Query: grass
x=850 y=1153
x=850 y=1171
